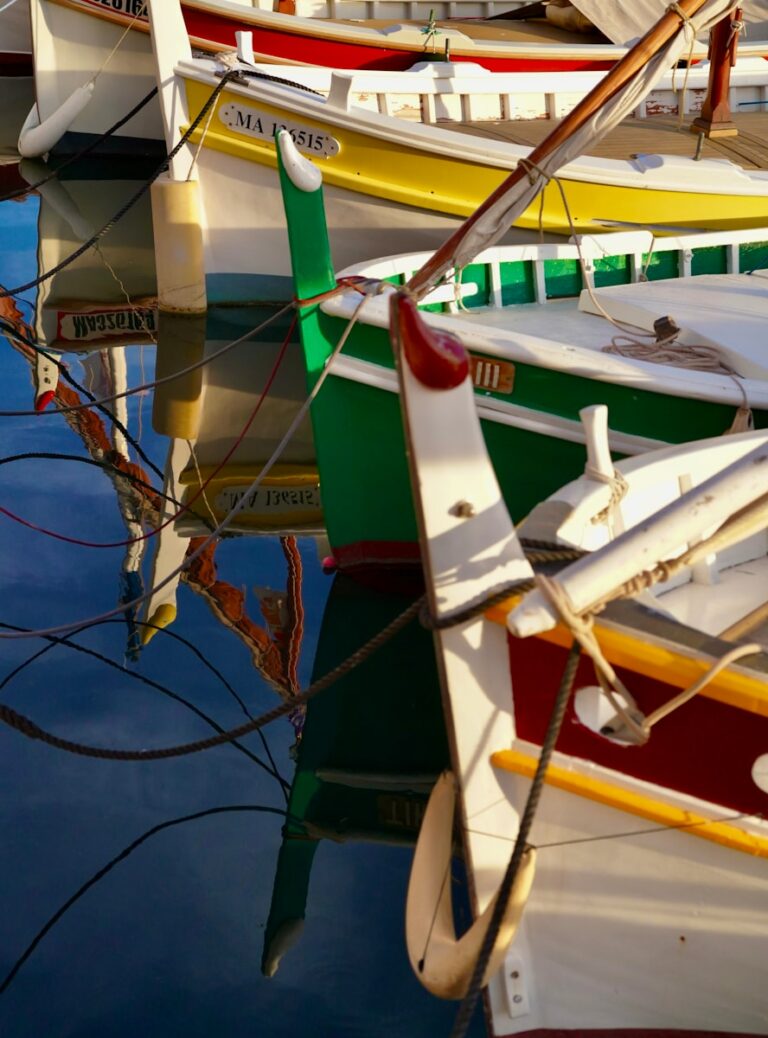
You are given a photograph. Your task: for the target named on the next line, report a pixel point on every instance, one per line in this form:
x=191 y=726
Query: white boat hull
x=15 y=36
x=653 y=932
x=69 y=47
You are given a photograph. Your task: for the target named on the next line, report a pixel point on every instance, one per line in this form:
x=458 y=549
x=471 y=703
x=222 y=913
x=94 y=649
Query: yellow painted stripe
x=643 y=655
x=447 y=184
x=634 y=803
x=285 y=474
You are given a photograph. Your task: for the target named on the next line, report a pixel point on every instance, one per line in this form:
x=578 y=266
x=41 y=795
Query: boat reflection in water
x=372 y=748
x=230 y=416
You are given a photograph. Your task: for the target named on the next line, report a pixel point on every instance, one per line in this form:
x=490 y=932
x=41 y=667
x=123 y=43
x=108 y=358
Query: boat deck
x=496 y=30
x=656 y=134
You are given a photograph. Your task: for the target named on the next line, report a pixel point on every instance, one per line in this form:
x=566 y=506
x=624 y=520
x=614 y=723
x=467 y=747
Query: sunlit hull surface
x=73 y=39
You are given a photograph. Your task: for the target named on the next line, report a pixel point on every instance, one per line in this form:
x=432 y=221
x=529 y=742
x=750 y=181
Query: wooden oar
x=611 y=84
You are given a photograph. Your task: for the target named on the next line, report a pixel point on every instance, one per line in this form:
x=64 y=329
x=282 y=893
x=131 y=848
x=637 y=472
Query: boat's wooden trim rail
x=467 y=93
x=519 y=274
x=410 y=10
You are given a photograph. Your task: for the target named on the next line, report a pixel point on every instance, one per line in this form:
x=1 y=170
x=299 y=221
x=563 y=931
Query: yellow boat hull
x=453 y=183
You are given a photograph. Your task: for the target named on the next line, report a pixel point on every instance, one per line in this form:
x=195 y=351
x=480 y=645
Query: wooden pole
x=611 y=84
x=715 y=119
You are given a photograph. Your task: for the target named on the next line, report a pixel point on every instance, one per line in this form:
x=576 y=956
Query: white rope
x=699 y=358
x=204 y=131
x=617 y=485
x=582 y=628
x=688 y=693
x=139 y=14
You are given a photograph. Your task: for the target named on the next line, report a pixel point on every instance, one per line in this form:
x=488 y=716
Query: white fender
x=443 y=964
x=38 y=138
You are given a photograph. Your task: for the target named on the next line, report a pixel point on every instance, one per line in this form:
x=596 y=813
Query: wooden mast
x=610 y=85
x=715 y=119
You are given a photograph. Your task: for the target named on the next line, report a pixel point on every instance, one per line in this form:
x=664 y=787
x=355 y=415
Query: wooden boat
x=427 y=148
x=529 y=318
x=76 y=39
x=15 y=39
x=647 y=912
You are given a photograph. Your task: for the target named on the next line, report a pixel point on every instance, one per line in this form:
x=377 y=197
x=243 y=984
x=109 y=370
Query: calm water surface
x=175 y=939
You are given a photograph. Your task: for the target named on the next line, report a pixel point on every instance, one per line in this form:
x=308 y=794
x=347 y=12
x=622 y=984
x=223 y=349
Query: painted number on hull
x=130 y=7
x=265 y=500
x=498 y=376
x=254 y=123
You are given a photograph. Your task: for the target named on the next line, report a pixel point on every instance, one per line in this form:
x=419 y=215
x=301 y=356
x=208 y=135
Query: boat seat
x=725 y=311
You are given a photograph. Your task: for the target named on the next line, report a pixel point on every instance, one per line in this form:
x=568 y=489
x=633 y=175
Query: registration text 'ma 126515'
x=254 y=122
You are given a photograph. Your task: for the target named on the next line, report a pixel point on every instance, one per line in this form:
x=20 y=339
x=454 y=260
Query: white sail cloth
x=492 y=224
x=624 y=23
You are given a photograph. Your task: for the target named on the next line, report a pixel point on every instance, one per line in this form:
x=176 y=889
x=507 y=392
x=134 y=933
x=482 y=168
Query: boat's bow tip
x=437 y=359
x=302 y=173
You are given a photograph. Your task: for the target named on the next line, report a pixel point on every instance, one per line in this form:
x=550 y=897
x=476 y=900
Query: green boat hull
x=533 y=438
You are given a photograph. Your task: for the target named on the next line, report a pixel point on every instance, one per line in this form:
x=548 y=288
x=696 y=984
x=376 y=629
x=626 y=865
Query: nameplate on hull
x=268 y=501
x=497 y=376
x=117 y=322
x=255 y=123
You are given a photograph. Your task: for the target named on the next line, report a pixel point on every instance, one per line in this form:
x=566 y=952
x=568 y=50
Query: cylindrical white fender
x=179 y=261
x=36 y=138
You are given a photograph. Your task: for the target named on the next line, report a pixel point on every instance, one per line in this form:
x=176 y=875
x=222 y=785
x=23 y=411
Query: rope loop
x=617 y=485
x=675 y=8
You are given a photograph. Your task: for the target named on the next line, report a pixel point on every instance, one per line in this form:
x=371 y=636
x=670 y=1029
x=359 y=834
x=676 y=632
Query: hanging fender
x=443 y=963
x=36 y=138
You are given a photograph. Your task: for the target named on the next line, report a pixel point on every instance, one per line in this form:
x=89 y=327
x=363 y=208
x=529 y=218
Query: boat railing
x=516 y=274
x=464 y=92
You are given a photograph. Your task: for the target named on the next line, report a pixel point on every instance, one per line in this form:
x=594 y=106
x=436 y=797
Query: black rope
x=467 y=1007
x=11 y=332
x=142 y=678
x=167 y=633
x=474 y=609
x=226 y=78
x=253 y=74
x=127 y=206
x=27 y=727
x=85 y=887
x=105 y=464
x=54 y=174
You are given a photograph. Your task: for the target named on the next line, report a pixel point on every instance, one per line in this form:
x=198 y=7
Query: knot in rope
x=617 y=485
x=534 y=167
x=675 y=8
x=581 y=626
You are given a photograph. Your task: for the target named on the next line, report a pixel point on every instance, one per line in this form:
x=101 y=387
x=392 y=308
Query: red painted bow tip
x=437 y=359
x=42 y=401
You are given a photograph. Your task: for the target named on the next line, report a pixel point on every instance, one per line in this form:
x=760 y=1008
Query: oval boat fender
x=36 y=138
x=443 y=963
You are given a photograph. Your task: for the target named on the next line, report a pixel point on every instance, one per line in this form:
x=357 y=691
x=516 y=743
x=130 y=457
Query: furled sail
x=625 y=23
x=611 y=101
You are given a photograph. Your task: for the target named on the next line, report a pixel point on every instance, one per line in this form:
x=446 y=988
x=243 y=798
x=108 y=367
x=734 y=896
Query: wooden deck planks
x=639 y=136
x=496 y=31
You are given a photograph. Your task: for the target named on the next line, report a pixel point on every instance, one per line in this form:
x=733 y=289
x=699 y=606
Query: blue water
x=170 y=941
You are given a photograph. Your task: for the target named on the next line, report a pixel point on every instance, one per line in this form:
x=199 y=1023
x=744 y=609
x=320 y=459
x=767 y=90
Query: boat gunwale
x=521 y=348
x=330 y=29
x=442 y=141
